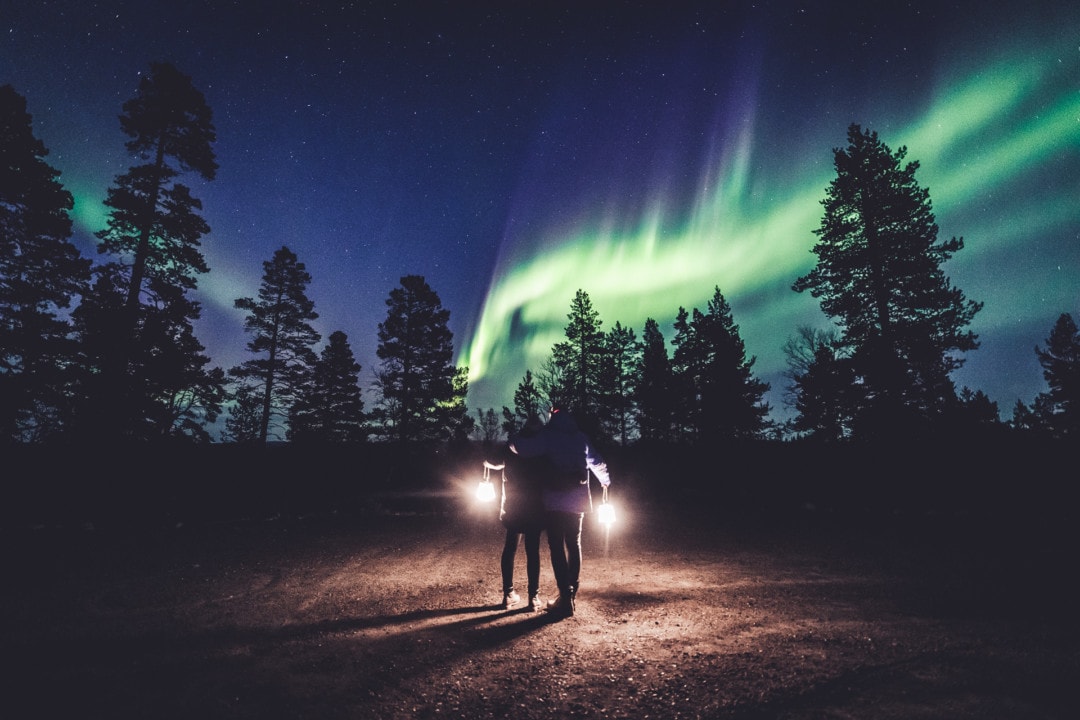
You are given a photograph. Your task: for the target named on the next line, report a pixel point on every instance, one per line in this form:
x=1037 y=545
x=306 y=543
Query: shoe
x=562 y=605
x=511 y=599
x=534 y=602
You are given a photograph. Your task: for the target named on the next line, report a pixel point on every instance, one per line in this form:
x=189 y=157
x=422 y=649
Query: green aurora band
x=978 y=146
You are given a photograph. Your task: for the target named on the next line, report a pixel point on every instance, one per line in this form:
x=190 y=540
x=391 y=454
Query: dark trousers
x=532 y=559
x=564 y=541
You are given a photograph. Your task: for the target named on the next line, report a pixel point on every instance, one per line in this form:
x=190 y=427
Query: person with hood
x=566 y=495
x=522 y=514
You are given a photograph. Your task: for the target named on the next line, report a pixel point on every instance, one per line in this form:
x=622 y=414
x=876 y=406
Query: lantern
x=485 y=491
x=605 y=513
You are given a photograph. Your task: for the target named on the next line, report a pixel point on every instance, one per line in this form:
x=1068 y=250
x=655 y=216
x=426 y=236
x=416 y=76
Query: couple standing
x=549 y=492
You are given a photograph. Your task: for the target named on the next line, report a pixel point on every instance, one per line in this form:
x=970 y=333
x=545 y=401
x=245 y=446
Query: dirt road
x=682 y=614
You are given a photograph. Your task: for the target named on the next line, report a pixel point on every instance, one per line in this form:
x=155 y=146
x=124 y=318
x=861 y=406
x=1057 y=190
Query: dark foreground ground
x=688 y=610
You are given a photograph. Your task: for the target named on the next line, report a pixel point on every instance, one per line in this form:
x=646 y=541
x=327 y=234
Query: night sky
x=515 y=152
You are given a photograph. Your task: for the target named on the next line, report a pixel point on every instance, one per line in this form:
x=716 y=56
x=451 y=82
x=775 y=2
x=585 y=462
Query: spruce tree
x=41 y=273
x=725 y=400
x=422 y=394
x=619 y=367
x=331 y=409
x=528 y=400
x=281 y=334
x=573 y=375
x=654 y=389
x=244 y=419
x=141 y=309
x=879 y=276
x=1058 y=408
x=487 y=426
x=822 y=382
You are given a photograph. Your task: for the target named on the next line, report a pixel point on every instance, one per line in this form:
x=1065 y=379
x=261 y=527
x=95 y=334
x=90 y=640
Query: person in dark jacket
x=522 y=514
x=566 y=495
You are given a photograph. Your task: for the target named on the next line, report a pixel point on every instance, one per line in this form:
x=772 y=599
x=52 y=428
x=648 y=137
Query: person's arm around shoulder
x=528 y=445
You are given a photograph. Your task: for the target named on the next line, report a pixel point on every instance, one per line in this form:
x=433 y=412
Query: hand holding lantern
x=605 y=512
x=485 y=491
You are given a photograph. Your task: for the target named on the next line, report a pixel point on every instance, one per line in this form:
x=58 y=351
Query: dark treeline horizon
x=105 y=352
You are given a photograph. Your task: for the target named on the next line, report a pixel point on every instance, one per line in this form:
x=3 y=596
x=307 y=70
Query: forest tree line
x=106 y=351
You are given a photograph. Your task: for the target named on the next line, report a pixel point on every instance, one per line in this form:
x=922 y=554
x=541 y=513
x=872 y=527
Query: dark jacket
x=572 y=457
x=522 y=508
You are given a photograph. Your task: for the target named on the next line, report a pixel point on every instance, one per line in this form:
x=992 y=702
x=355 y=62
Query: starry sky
x=515 y=152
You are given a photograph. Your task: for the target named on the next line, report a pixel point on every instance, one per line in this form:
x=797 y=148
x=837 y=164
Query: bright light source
x=605 y=512
x=485 y=491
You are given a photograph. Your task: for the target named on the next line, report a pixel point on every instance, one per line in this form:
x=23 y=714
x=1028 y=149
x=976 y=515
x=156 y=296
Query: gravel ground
x=392 y=612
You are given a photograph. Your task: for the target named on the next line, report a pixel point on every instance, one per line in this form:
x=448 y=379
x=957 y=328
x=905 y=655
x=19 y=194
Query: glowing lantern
x=485 y=491
x=605 y=513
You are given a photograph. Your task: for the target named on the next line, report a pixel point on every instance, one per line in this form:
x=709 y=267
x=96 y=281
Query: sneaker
x=534 y=602
x=511 y=599
x=562 y=605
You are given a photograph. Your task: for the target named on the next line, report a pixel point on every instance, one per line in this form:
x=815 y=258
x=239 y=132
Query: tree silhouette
x=722 y=399
x=331 y=408
x=618 y=375
x=822 y=383
x=153 y=234
x=41 y=273
x=422 y=394
x=654 y=390
x=1058 y=409
x=243 y=423
x=487 y=426
x=528 y=400
x=279 y=322
x=575 y=372
x=879 y=275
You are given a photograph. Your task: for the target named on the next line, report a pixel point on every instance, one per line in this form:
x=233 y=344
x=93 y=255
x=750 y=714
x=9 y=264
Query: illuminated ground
x=380 y=615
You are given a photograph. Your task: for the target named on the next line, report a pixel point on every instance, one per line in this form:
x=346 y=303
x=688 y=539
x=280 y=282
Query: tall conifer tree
x=619 y=367
x=1059 y=407
x=422 y=393
x=280 y=325
x=725 y=400
x=576 y=364
x=332 y=408
x=879 y=275
x=140 y=318
x=528 y=400
x=41 y=273
x=654 y=391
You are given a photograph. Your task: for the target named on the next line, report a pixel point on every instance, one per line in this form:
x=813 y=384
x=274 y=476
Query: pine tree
x=422 y=394
x=487 y=426
x=279 y=322
x=528 y=400
x=654 y=389
x=154 y=230
x=1058 y=408
x=331 y=409
x=574 y=373
x=244 y=420
x=725 y=399
x=454 y=413
x=41 y=273
x=618 y=375
x=585 y=340
x=822 y=382
x=879 y=275
x=552 y=381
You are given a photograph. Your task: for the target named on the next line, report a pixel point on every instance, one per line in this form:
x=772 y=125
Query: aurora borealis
x=645 y=155
x=753 y=248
